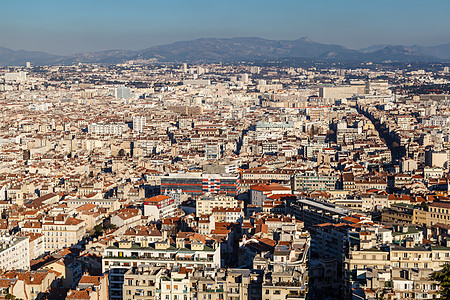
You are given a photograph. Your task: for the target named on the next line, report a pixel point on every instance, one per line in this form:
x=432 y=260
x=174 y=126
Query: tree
x=443 y=279
x=111 y=226
x=98 y=229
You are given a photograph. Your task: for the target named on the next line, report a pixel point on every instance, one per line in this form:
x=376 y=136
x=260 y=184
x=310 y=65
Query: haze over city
x=67 y=27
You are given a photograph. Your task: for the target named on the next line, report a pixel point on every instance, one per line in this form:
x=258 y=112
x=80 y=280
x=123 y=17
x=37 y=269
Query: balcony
x=295 y=297
x=149 y=257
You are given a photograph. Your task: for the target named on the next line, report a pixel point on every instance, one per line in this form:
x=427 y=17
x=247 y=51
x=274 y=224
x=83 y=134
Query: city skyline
x=253 y=150
x=73 y=27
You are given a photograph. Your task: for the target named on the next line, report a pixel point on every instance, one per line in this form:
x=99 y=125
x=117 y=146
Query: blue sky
x=67 y=26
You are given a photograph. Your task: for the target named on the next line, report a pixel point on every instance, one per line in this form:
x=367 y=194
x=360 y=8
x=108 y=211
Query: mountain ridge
x=237 y=49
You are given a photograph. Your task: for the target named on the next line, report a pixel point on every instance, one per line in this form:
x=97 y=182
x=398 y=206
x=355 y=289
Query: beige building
x=62 y=231
x=29 y=285
x=206 y=204
x=405 y=268
x=438 y=212
x=90 y=288
x=341 y=92
x=229 y=215
x=127 y=218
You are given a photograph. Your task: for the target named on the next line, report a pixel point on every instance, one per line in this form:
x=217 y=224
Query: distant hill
x=237 y=49
x=441 y=51
x=106 y=57
x=9 y=57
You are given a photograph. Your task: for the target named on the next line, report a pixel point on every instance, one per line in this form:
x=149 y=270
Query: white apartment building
x=14 y=253
x=120 y=257
x=162 y=253
x=36 y=244
x=139 y=123
x=160 y=207
x=16 y=76
x=122 y=92
x=106 y=129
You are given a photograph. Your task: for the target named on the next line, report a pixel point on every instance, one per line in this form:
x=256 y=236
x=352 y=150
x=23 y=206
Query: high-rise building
x=446 y=70
x=28 y=64
x=139 y=123
x=123 y=92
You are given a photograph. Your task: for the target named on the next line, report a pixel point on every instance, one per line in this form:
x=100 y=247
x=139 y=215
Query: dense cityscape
x=223 y=181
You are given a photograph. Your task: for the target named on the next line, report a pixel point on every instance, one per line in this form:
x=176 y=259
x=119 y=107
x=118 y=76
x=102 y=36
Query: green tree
x=111 y=226
x=98 y=229
x=443 y=279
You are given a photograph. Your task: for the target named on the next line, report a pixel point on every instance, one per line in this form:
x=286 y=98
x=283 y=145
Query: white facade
x=106 y=129
x=123 y=92
x=139 y=123
x=196 y=256
x=16 y=76
x=160 y=211
x=14 y=253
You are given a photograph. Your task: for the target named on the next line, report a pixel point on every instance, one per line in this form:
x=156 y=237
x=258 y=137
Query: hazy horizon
x=69 y=27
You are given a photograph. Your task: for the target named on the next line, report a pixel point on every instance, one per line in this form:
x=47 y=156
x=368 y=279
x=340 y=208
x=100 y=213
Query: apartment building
x=261 y=193
x=199 y=184
x=29 y=285
x=404 y=268
x=107 y=129
x=14 y=252
x=181 y=283
x=228 y=215
x=160 y=207
x=90 y=288
x=205 y=204
x=62 y=231
x=127 y=217
x=316 y=212
x=311 y=180
x=120 y=257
